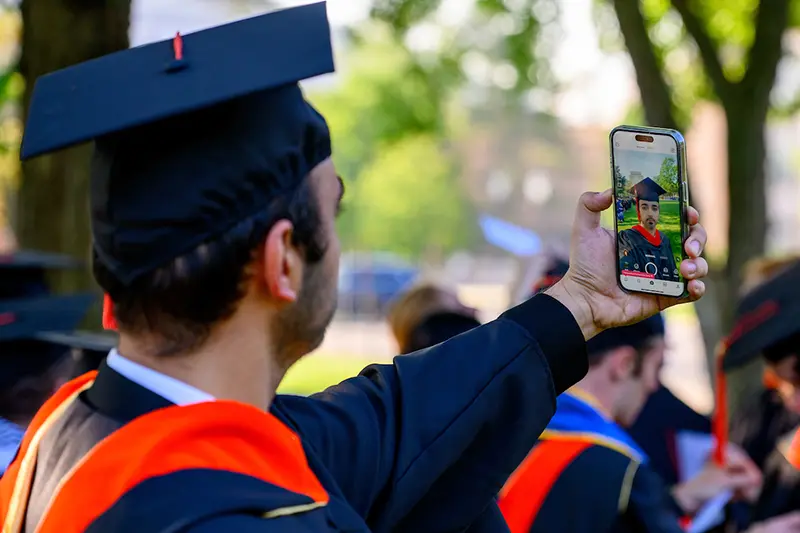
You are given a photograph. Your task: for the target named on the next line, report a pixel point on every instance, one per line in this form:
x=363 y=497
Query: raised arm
x=451 y=422
x=424 y=444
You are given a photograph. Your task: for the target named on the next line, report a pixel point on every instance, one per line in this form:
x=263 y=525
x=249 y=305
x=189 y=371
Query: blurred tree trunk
x=745 y=103
x=53 y=199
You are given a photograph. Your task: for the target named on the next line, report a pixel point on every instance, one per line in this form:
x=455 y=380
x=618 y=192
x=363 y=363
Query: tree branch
x=655 y=92
x=765 y=54
x=706 y=47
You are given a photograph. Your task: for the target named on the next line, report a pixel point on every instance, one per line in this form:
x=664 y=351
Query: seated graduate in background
x=643 y=248
x=587 y=474
x=33 y=366
x=768 y=324
x=770 y=415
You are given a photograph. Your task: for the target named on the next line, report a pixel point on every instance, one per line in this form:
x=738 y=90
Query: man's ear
x=283 y=263
x=621 y=363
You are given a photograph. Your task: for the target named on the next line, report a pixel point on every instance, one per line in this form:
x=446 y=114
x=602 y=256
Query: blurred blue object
x=366 y=288
x=517 y=240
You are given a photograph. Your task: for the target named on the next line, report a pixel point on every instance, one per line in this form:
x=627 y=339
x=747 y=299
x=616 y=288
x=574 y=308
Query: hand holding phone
x=650 y=201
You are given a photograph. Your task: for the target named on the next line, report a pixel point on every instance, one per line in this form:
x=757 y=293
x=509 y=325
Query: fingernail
x=694 y=246
x=691 y=268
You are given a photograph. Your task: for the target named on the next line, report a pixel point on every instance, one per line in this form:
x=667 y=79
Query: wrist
x=568 y=294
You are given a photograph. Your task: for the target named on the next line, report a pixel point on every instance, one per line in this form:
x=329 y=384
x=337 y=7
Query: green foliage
x=725 y=29
x=668 y=175
x=387 y=121
x=622 y=181
x=407 y=200
x=505 y=32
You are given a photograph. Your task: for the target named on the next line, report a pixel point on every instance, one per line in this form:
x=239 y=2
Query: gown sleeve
x=427 y=442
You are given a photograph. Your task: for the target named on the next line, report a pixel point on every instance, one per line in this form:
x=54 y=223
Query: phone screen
x=649 y=195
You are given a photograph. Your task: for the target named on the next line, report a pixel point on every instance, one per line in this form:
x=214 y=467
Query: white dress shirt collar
x=167 y=387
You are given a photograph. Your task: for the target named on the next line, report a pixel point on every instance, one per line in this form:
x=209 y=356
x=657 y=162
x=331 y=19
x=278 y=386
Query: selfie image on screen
x=648 y=217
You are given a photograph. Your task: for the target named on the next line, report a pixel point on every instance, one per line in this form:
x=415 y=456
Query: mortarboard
x=647 y=190
x=27 y=319
x=23 y=273
x=192 y=136
x=766 y=317
x=635 y=335
x=25 y=324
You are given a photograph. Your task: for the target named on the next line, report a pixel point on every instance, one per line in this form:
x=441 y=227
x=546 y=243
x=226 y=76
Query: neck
x=235 y=363
x=648 y=230
x=600 y=391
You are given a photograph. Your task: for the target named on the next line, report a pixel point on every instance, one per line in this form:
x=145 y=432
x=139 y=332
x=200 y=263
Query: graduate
x=643 y=248
x=768 y=325
x=769 y=416
x=213 y=202
x=586 y=456
x=33 y=366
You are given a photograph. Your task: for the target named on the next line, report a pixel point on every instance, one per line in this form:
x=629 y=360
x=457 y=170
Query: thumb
x=590 y=206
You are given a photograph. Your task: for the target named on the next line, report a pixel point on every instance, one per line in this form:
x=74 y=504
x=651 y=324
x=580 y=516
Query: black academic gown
x=781 y=491
x=657 y=426
x=421 y=445
x=637 y=252
x=605 y=491
x=762 y=424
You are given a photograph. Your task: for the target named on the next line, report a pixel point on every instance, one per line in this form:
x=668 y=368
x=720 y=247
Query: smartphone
x=651 y=195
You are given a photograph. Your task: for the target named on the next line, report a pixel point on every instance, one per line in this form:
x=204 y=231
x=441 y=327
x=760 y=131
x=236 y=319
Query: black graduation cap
x=764 y=318
x=193 y=135
x=23 y=273
x=635 y=335
x=25 y=349
x=647 y=190
x=29 y=318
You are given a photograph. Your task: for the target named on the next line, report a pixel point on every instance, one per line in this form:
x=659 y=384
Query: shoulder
x=598 y=481
x=596 y=466
x=629 y=236
x=197 y=496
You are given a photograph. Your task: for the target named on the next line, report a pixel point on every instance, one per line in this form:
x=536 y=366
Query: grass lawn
x=669 y=224
x=316 y=372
